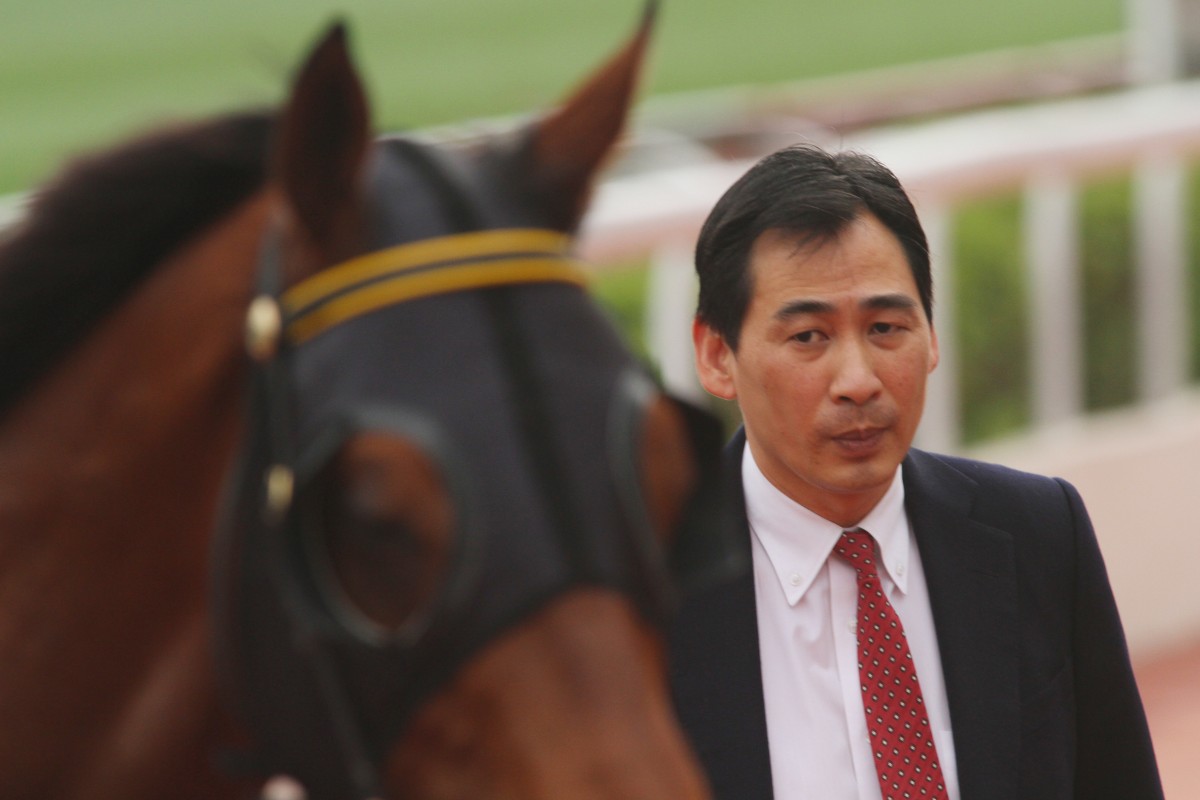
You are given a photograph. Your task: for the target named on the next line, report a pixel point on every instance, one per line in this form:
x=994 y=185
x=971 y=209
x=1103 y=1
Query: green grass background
x=76 y=76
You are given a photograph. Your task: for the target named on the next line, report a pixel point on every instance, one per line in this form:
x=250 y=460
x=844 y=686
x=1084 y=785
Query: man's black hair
x=812 y=193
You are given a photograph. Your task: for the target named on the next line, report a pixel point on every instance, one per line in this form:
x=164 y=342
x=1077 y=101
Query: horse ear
x=323 y=135
x=570 y=144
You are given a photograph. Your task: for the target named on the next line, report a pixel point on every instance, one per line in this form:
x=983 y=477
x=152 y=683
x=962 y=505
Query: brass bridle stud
x=283 y=787
x=264 y=327
x=281 y=484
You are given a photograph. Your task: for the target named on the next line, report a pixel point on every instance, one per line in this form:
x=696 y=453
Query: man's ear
x=715 y=362
x=934 y=353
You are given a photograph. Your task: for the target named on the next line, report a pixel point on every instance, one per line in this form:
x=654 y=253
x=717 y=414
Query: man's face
x=831 y=366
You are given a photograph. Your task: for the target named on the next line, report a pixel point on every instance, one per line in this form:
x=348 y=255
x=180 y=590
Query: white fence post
x=1155 y=46
x=941 y=426
x=1052 y=257
x=670 y=306
x=1160 y=239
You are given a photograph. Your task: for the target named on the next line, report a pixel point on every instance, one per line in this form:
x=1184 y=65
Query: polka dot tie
x=906 y=759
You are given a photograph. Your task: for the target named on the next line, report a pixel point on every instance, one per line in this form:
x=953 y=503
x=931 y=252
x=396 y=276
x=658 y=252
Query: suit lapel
x=970 y=570
x=716 y=673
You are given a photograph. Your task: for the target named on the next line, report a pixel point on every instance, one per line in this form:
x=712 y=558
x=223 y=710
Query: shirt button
x=900 y=570
x=794 y=579
x=853 y=625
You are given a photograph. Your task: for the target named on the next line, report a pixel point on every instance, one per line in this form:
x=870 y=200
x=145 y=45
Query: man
x=914 y=625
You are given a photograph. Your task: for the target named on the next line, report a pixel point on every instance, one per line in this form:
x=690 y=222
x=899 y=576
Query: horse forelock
x=105 y=223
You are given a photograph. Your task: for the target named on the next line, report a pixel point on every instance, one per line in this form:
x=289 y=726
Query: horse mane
x=99 y=228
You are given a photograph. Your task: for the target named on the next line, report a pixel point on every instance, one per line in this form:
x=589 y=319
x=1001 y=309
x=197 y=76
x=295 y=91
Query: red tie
x=906 y=758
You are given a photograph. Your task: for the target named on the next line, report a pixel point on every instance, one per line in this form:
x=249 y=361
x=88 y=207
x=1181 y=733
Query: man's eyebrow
x=884 y=302
x=800 y=307
x=880 y=302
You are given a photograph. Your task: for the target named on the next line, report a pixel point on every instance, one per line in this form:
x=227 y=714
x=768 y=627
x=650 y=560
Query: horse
x=317 y=460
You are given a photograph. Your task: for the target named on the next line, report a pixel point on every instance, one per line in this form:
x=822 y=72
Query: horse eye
x=386 y=529
x=668 y=466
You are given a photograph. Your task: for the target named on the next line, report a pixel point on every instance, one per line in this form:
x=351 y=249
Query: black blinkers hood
x=530 y=406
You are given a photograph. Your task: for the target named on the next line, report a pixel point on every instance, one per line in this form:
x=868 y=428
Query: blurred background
x=1050 y=146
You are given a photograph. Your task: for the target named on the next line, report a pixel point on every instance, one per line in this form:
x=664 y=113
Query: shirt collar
x=798 y=542
x=888 y=523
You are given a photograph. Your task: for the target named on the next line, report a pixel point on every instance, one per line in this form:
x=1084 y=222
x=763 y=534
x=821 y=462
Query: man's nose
x=855 y=379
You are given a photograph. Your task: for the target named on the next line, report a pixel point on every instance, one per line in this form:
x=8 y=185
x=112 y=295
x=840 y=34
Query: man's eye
x=808 y=337
x=884 y=327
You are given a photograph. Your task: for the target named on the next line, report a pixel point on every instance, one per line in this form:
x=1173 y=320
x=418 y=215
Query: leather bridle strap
x=460 y=262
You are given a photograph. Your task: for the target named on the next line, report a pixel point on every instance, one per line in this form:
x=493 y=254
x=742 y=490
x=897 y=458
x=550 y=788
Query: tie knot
x=857 y=547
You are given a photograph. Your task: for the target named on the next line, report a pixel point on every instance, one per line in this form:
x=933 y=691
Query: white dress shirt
x=807 y=607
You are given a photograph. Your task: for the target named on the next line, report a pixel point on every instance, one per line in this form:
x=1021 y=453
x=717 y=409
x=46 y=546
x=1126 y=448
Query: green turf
x=76 y=75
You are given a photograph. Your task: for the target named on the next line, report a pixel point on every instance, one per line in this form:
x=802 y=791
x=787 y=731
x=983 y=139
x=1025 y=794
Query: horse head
x=462 y=508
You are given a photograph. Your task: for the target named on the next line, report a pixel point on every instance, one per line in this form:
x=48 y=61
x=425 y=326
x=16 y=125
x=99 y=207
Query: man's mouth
x=859 y=440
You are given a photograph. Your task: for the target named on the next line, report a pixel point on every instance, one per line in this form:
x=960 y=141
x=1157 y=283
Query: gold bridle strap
x=456 y=263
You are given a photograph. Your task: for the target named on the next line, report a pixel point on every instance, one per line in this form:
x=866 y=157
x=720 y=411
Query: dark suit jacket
x=1042 y=699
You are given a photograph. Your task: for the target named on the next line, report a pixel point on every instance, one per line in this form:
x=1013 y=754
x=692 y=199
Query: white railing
x=1044 y=150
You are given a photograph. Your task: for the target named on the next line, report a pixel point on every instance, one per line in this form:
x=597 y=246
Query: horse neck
x=151 y=385
x=111 y=468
